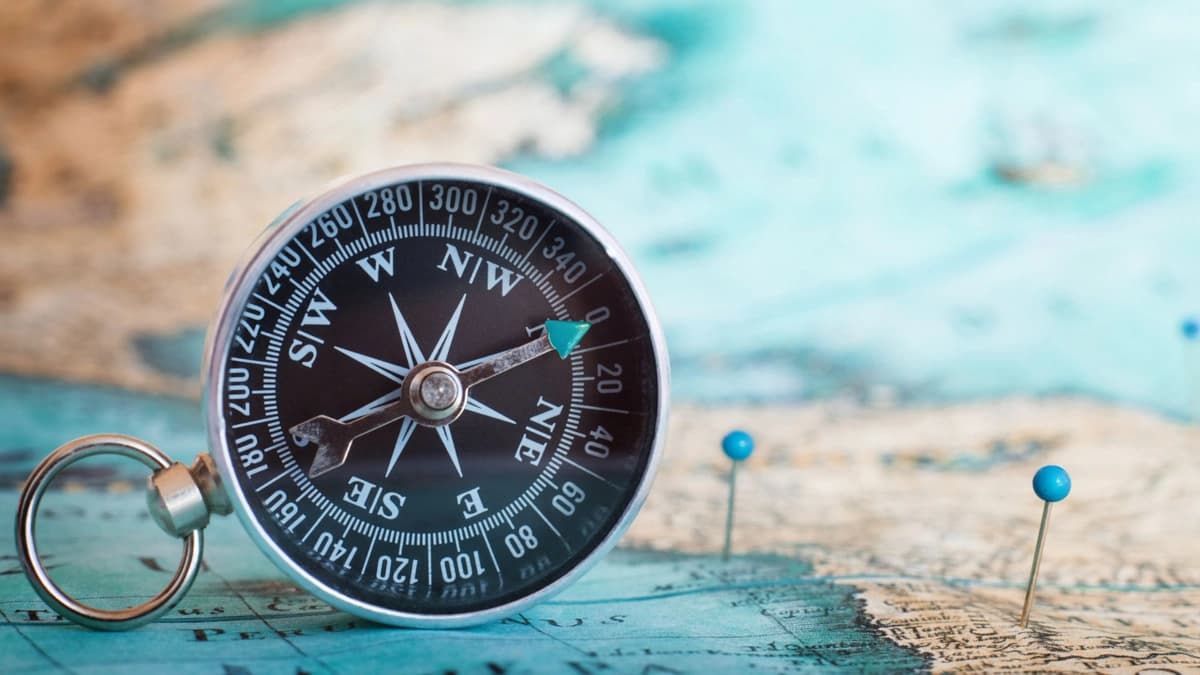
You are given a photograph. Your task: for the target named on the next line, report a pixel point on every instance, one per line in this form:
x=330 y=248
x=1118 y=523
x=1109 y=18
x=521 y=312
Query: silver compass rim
x=241 y=284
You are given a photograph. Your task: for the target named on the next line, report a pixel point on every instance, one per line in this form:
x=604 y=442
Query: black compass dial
x=541 y=461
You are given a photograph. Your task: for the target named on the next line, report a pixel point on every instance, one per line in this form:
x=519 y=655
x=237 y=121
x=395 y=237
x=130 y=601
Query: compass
x=435 y=395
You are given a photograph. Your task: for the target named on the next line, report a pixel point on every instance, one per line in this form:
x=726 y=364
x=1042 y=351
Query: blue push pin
x=737 y=446
x=1052 y=484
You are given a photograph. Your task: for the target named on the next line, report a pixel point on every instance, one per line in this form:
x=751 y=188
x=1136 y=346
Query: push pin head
x=737 y=445
x=1190 y=328
x=1051 y=483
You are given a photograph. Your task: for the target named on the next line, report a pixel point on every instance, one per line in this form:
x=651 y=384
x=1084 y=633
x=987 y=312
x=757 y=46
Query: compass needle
x=474 y=362
x=560 y=336
x=373 y=405
x=565 y=335
x=332 y=439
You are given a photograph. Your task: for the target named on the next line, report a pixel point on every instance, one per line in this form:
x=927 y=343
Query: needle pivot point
x=439 y=390
x=565 y=335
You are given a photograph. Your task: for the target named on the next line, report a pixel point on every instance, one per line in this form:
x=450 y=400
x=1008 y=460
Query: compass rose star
x=414 y=356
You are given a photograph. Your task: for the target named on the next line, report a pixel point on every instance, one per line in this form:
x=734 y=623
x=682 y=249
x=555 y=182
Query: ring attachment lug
x=180 y=501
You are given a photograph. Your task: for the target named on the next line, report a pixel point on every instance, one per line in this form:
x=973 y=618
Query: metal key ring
x=50 y=592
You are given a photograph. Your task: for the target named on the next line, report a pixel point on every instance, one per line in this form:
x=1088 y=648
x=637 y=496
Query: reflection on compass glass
x=490 y=490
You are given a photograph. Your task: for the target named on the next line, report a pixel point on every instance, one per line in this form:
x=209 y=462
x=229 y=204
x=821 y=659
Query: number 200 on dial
x=526 y=478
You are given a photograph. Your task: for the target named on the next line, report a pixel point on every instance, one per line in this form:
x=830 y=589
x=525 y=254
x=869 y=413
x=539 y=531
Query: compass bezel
x=237 y=292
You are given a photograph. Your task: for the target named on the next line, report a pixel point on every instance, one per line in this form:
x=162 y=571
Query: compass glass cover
x=543 y=461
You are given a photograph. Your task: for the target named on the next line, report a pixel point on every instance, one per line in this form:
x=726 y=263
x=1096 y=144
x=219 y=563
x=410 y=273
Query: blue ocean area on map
x=885 y=247
x=624 y=615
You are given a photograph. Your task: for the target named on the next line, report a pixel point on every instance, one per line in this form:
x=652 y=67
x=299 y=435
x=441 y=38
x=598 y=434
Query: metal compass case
x=435 y=395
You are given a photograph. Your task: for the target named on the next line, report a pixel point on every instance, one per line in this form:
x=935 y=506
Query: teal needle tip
x=565 y=335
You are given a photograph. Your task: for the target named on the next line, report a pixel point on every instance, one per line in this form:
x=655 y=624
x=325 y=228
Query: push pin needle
x=1052 y=484
x=737 y=446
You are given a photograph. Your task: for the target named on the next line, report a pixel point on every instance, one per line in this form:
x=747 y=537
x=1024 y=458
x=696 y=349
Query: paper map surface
x=887 y=540
x=938 y=245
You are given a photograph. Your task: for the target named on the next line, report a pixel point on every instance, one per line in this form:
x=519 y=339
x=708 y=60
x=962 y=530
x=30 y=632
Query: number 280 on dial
x=436 y=394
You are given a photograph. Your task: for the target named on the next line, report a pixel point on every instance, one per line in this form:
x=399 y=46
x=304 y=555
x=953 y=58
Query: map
x=916 y=563
x=917 y=250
